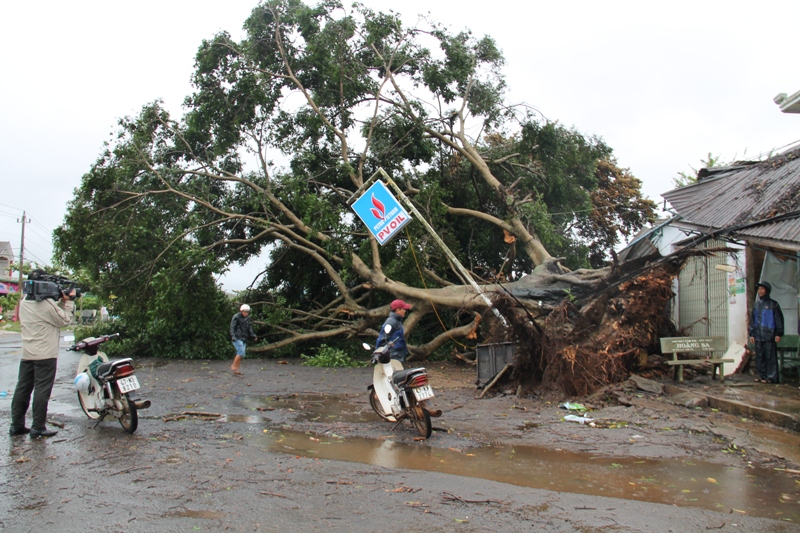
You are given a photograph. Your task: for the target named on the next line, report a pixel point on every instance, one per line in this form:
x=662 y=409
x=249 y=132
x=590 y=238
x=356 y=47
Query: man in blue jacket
x=766 y=330
x=399 y=349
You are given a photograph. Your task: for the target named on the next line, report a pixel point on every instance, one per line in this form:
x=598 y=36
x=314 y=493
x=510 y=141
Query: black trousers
x=35 y=377
x=767 y=360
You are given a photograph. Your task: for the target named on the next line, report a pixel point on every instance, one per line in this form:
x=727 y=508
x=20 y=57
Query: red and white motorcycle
x=397 y=394
x=105 y=387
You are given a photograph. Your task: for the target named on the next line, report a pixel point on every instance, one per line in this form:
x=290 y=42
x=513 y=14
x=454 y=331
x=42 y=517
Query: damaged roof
x=738 y=197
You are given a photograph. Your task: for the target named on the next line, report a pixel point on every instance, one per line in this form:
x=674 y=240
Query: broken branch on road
x=448 y=497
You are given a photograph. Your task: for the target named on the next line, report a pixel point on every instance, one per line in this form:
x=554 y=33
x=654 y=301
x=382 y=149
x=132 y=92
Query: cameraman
x=41 y=323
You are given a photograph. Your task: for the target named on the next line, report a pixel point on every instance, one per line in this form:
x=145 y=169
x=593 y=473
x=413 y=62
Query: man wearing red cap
x=399 y=349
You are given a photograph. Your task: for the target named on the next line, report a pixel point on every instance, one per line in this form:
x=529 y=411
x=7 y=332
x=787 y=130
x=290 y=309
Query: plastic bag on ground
x=578 y=419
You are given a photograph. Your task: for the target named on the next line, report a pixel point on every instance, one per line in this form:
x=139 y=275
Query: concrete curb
x=742 y=409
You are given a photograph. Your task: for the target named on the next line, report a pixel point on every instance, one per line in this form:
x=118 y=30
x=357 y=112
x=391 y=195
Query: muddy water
x=758 y=492
x=314 y=407
x=754 y=491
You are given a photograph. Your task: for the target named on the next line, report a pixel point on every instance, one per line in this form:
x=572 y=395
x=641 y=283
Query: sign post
x=384 y=222
x=381 y=212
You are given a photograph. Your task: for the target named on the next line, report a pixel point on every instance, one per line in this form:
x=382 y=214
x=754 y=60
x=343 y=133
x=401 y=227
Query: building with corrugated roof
x=753 y=209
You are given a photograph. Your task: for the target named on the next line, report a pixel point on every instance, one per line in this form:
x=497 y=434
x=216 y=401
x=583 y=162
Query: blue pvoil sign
x=381 y=212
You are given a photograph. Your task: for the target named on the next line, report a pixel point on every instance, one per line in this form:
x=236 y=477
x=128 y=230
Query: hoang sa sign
x=381 y=212
x=692 y=344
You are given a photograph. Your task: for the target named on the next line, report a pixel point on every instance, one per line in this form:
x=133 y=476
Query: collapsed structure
x=694 y=274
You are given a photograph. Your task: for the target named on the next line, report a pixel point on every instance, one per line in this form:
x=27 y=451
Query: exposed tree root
x=583 y=344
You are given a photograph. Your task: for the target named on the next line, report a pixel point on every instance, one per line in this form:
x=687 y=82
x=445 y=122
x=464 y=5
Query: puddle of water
x=775 y=441
x=315 y=407
x=245 y=419
x=774 y=402
x=756 y=491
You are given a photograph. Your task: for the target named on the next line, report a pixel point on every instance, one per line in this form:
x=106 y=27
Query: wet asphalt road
x=248 y=471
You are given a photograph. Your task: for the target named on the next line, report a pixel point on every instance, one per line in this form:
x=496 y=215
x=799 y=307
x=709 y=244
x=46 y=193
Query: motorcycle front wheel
x=421 y=420
x=377 y=407
x=130 y=416
x=85 y=400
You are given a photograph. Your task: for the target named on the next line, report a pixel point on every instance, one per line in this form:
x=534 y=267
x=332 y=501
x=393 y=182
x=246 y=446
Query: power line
x=38 y=260
x=35 y=221
x=46 y=239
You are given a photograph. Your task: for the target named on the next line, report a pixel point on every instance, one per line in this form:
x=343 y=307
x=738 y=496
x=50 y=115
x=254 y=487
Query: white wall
x=737 y=286
x=737 y=300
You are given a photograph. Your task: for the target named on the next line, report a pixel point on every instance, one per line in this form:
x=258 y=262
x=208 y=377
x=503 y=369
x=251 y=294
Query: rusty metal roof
x=744 y=194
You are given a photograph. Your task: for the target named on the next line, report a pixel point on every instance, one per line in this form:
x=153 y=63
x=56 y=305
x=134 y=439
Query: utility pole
x=22 y=249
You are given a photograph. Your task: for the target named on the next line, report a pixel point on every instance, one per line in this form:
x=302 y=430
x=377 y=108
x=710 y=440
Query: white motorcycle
x=105 y=387
x=397 y=394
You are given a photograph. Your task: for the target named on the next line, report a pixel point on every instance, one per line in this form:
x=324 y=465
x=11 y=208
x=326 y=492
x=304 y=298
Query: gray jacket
x=241 y=328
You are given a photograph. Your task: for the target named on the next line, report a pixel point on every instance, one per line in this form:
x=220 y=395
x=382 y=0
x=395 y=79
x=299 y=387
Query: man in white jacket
x=41 y=322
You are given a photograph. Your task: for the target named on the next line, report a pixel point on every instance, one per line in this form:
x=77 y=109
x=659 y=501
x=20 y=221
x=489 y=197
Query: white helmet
x=245 y=307
x=82 y=382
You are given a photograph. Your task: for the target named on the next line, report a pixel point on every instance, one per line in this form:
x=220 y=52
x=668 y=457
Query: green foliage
x=9 y=302
x=119 y=347
x=336 y=92
x=330 y=357
x=27 y=267
x=686 y=178
x=186 y=318
x=88 y=302
x=10 y=326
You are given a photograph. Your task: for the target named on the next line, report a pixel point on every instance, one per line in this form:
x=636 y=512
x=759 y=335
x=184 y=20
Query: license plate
x=128 y=384
x=423 y=393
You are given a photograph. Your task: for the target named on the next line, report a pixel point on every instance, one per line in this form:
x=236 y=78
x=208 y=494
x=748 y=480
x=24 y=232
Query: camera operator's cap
x=399 y=304
x=245 y=307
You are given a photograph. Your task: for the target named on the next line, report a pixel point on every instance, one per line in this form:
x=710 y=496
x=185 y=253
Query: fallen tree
x=282 y=128
x=583 y=342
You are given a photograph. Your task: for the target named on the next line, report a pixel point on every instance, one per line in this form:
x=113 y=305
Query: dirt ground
x=293 y=448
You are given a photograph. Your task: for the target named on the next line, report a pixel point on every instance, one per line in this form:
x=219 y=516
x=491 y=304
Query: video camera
x=40 y=285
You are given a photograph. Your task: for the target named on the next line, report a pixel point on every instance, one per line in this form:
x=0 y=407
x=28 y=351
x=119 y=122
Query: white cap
x=245 y=307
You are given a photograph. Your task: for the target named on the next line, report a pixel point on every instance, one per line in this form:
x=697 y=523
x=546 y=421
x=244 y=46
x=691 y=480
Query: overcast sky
x=663 y=84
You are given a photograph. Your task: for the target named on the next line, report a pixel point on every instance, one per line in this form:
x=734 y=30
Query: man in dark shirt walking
x=241 y=330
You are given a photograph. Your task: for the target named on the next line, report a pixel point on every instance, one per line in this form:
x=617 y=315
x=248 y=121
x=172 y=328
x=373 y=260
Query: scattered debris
x=647 y=385
x=201 y=413
x=578 y=419
x=572 y=406
x=131 y=470
x=448 y=497
x=266 y=493
x=494 y=380
x=402 y=489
